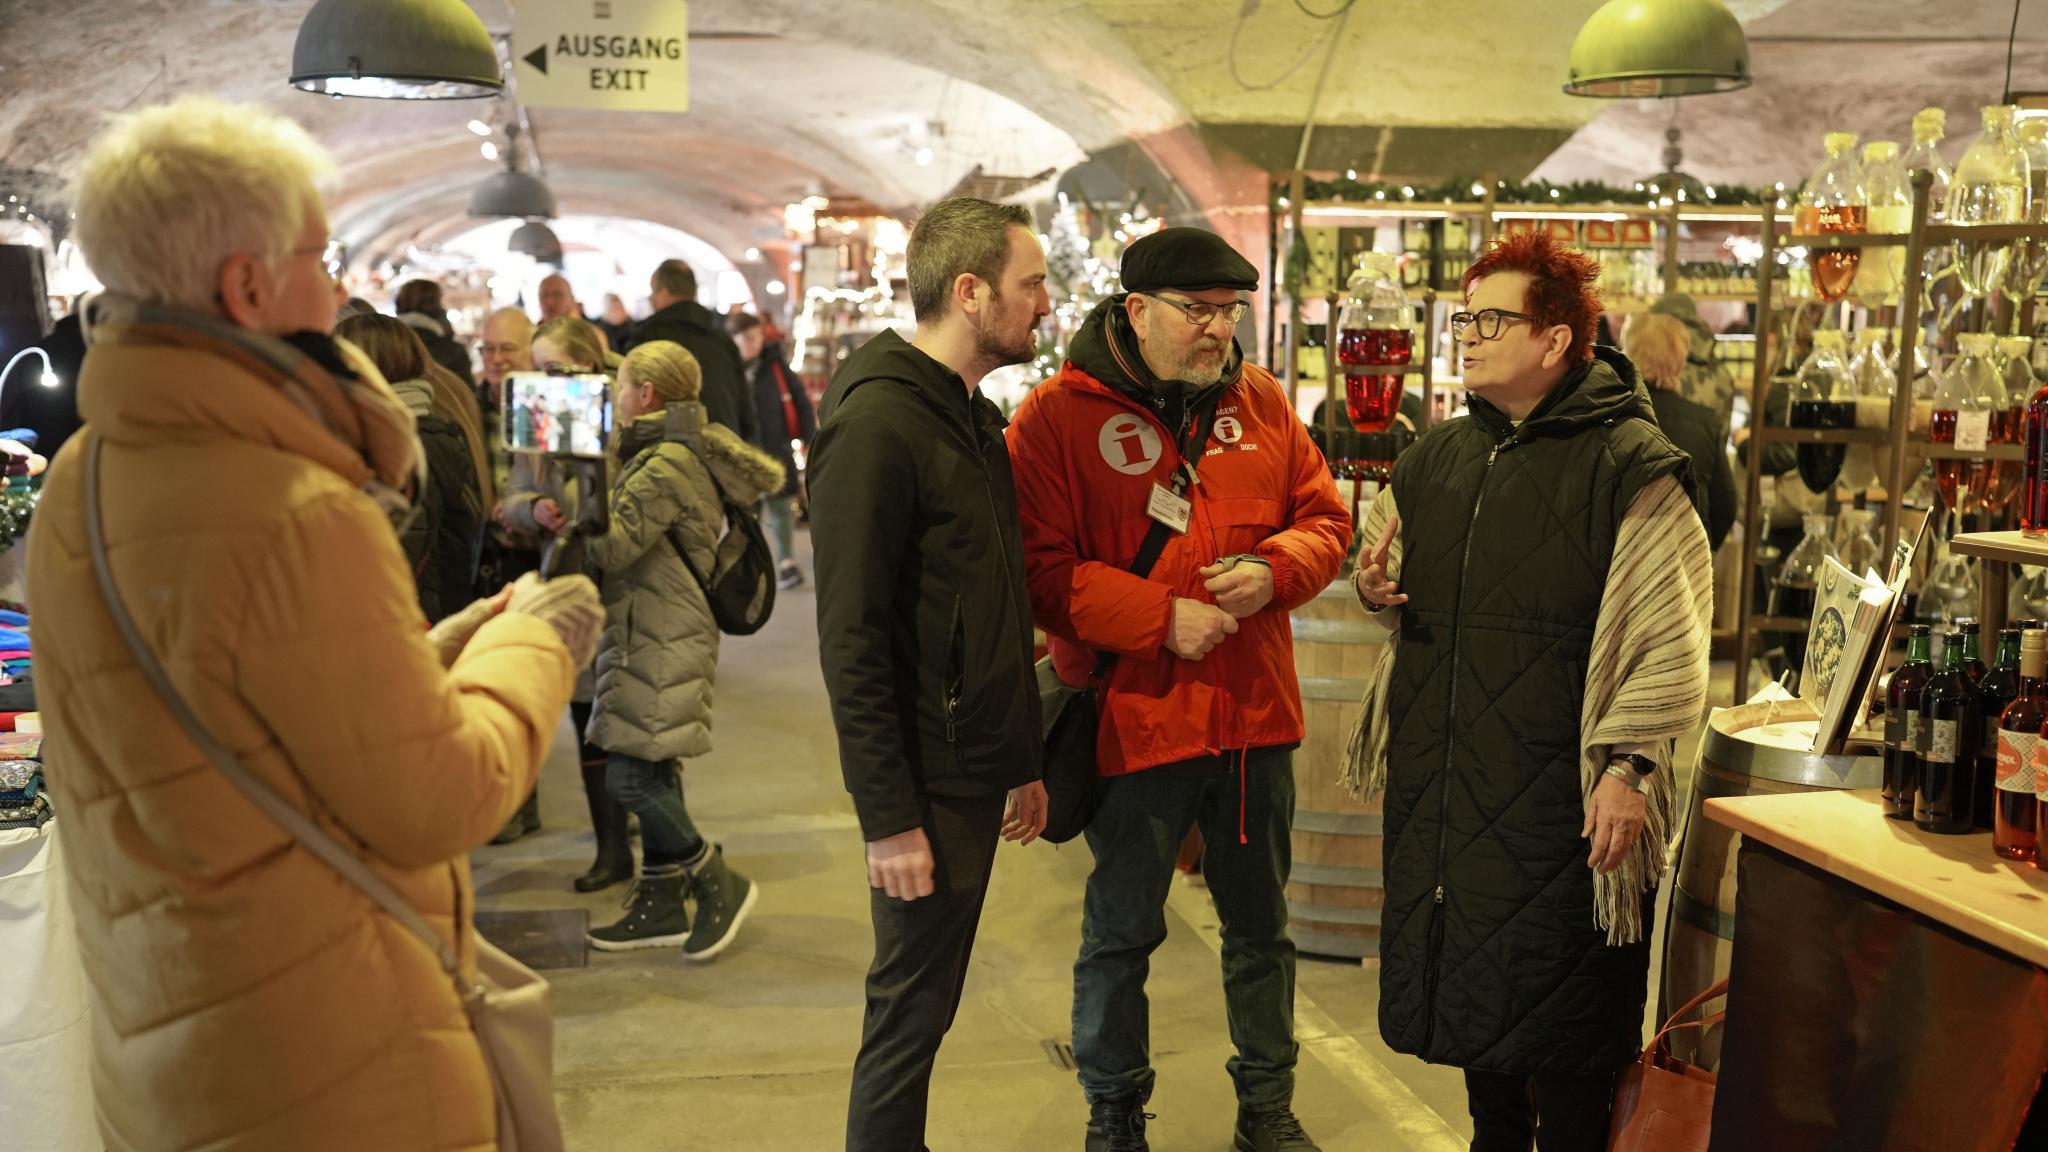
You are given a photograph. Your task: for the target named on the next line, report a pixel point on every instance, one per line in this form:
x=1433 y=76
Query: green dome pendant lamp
x=1649 y=48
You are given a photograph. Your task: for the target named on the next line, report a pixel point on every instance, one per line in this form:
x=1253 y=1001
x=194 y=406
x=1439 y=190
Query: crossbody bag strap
x=1154 y=544
x=260 y=794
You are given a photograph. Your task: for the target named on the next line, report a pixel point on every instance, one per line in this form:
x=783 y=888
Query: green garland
x=1458 y=190
x=17 y=504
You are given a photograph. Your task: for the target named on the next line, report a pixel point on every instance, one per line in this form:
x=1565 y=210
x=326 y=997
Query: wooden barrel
x=1334 y=893
x=1757 y=748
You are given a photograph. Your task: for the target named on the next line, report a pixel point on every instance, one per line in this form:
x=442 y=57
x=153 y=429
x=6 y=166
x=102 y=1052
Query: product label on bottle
x=2016 y=761
x=1973 y=431
x=2040 y=761
x=1898 y=729
x=1912 y=729
x=1942 y=741
x=1989 y=748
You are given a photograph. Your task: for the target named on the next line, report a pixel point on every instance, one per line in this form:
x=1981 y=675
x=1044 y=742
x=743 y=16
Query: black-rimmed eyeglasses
x=1201 y=315
x=1489 y=321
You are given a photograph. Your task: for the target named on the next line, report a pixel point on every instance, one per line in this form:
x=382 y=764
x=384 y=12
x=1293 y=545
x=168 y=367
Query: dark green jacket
x=1490 y=956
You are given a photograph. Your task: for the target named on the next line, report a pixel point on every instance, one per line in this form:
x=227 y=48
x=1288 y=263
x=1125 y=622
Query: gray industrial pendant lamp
x=537 y=240
x=512 y=192
x=1659 y=48
x=396 y=50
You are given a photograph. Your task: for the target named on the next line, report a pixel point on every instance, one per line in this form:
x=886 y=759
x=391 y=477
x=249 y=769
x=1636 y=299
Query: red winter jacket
x=1085 y=457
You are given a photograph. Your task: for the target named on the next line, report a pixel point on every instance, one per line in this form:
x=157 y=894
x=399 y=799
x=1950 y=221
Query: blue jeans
x=778 y=516
x=654 y=792
x=1135 y=836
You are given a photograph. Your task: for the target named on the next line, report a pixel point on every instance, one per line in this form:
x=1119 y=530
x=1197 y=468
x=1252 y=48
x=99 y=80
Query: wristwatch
x=1642 y=764
x=1626 y=774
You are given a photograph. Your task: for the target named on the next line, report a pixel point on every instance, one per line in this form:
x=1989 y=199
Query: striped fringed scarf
x=1646 y=684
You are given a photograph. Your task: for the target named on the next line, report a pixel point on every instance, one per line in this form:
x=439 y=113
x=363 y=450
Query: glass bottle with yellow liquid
x=1889 y=211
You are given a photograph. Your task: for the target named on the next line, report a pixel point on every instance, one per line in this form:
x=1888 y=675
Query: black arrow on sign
x=538 y=58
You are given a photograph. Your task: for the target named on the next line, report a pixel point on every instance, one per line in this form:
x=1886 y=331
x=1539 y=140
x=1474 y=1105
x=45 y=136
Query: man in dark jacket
x=680 y=319
x=924 y=632
x=782 y=407
x=419 y=305
x=1552 y=646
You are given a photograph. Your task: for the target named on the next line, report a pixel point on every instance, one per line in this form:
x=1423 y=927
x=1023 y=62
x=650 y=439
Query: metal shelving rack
x=1489 y=215
x=1990 y=545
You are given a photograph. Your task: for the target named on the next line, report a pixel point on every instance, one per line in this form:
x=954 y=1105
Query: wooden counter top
x=1953 y=879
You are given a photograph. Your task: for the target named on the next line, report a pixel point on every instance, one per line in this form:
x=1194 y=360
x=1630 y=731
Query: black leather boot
x=608 y=819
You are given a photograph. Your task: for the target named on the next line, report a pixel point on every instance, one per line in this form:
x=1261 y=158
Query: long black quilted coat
x=1490 y=956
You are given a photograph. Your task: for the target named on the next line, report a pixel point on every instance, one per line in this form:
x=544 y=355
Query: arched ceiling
x=794 y=97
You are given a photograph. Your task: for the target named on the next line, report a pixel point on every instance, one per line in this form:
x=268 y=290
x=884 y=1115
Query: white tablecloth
x=45 y=1081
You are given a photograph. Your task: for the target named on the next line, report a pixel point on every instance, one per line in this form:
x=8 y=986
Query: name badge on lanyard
x=1169 y=507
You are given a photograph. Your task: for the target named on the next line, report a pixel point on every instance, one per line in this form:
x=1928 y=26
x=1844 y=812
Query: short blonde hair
x=1658 y=345
x=169 y=193
x=668 y=368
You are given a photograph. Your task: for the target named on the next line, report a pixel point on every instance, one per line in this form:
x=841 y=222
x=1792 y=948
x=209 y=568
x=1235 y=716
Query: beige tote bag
x=508 y=1004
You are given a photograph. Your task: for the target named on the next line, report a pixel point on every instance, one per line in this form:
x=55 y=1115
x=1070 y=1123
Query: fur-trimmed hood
x=744 y=472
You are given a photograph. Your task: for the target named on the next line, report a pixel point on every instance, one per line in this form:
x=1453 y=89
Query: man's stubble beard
x=988 y=340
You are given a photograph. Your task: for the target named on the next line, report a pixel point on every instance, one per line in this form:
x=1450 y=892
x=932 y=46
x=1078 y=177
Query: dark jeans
x=1135 y=836
x=653 y=791
x=914 y=985
x=1557 y=1113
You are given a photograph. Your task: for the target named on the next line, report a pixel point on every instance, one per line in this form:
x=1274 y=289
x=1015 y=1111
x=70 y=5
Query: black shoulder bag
x=1072 y=716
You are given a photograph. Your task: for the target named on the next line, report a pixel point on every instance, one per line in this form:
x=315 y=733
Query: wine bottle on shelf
x=1995 y=692
x=1823 y=396
x=1973 y=649
x=1948 y=722
x=2034 y=473
x=2015 y=820
x=1834 y=200
x=1951 y=403
x=1902 y=724
x=1973 y=383
x=2016 y=379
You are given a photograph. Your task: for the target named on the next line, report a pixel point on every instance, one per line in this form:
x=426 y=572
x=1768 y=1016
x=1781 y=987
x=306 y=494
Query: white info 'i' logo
x=1129 y=444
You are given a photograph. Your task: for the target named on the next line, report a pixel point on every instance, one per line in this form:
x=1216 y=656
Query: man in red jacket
x=1157 y=418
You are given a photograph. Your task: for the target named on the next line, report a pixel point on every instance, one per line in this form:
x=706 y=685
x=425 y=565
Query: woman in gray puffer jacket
x=659 y=653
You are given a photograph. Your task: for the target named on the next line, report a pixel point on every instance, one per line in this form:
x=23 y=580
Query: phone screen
x=558 y=415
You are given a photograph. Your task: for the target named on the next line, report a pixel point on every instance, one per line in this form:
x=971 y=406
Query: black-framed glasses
x=1201 y=315
x=1489 y=320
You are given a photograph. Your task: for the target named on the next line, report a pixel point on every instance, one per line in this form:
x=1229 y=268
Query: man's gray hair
x=963 y=234
x=677 y=279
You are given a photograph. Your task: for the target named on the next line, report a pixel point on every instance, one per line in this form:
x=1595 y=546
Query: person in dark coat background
x=783 y=410
x=679 y=319
x=443 y=541
x=419 y=305
x=1657 y=344
x=51 y=412
x=1549 y=593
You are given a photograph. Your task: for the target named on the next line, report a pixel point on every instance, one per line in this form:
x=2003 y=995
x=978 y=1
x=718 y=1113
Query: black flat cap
x=1186 y=260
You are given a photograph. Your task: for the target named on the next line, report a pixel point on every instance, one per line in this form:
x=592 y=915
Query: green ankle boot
x=655 y=914
x=724 y=898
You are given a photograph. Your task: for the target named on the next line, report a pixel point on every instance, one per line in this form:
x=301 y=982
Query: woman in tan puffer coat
x=245 y=997
x=678 y=474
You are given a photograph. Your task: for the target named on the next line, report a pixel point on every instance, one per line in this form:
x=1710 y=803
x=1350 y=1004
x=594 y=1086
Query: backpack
x=741 y=588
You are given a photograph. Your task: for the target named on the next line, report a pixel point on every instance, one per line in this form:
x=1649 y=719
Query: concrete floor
x=754 y=1050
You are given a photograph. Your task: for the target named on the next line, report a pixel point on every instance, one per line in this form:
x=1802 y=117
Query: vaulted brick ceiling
x=797 y=96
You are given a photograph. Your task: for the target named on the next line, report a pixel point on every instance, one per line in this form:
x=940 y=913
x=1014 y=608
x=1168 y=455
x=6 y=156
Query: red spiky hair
x=1562 y=284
